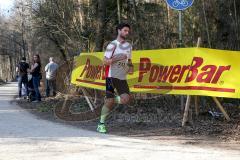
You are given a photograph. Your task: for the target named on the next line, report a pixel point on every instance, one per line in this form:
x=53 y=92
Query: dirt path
x=24 y=136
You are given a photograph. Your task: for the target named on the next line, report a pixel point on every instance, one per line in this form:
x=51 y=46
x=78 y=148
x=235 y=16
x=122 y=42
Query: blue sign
x=180 y=4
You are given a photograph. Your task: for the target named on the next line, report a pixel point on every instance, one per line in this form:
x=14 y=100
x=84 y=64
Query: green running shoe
x=101 y=128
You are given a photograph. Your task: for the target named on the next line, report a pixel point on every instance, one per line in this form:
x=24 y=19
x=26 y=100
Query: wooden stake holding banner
x=196 y=97
x=221 y=108
x=196 y=105
x=188 y=102
x=187 y=116
x=186 y=111
x=86 y=96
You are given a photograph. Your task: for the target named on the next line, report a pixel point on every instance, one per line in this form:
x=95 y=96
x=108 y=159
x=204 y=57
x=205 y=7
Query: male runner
x=118 y=63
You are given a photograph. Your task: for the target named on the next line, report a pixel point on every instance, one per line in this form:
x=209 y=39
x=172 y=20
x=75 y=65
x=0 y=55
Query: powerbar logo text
x=175 y=73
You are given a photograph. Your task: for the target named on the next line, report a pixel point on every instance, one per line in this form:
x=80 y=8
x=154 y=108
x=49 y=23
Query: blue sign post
x=180 y=5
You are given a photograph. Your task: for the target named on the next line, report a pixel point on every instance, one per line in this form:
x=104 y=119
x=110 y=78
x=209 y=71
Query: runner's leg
x=109 y=102
x=107 y=107
x=123 y=91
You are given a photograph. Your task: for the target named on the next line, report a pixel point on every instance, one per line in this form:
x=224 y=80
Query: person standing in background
x=36 y=76
x=22 y=70
x=51 y=72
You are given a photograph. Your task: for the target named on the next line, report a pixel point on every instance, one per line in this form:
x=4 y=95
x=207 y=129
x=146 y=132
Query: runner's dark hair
x=121 y=26
x=23 y=59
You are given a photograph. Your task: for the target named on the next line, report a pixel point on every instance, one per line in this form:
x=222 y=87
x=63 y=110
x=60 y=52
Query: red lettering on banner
x=153 y=73
x=86 y=67
x=193 y=71
x=220 y=71
x=174 y=74
x=207 y=76
x=183 y=71
x=144 y=67
x=167 y=71
x=171 y=74
x=93 y=72
x=103 y=72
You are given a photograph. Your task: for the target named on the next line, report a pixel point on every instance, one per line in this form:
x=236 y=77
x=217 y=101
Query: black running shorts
x=121 y=87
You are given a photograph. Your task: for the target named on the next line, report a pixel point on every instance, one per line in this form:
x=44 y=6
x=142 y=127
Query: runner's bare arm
x=108 y=61
x=118 y=57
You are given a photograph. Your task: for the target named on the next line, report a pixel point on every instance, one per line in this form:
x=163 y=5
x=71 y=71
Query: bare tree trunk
x=169 y=15
x=137 y=26
x=236 y=23
x=206 y=24
x=119 y=11
x=80 y=14
x=101 y=15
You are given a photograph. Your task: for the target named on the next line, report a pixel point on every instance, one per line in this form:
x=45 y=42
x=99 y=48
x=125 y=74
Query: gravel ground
x=25 y=136
x=160 y=116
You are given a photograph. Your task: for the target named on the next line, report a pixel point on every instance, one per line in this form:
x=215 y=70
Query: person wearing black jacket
x=36 y=76
x=22 y=70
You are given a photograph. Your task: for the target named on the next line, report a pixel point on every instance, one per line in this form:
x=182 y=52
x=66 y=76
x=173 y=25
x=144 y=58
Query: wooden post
x=186 y=111
x=196 y=105
x=196 y=97
x=221 y=108
x=187 y=106
x=64 y=103
x=86 y=95
x=118 y=11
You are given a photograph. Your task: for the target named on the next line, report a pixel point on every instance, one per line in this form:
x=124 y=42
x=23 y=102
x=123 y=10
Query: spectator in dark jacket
x=22 y=70
x=36 y=76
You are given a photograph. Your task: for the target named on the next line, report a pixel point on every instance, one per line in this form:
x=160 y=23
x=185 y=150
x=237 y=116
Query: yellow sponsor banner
x=185 y=71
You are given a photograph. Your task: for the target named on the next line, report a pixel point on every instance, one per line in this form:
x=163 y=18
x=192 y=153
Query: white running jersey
x=118 y=69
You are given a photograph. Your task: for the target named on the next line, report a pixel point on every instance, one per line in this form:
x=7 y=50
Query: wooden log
x=196 y=105
x=64 y=104
x=221 y=108
x=86 y=95
x=186 y=111
x=196 y=97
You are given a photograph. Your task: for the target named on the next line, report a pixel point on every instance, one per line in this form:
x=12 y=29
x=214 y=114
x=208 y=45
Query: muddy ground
x=160 y=116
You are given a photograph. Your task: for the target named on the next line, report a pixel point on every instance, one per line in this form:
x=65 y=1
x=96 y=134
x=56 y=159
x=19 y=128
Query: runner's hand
x=108 y=61
x=130 y=70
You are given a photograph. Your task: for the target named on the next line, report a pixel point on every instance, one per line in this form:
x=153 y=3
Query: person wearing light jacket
x=51 y=72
